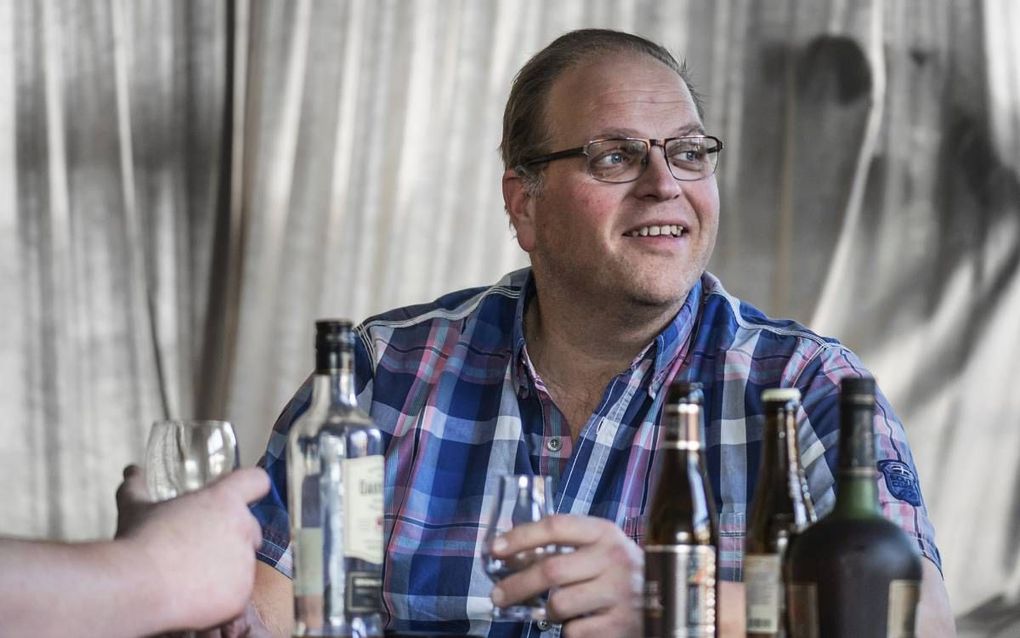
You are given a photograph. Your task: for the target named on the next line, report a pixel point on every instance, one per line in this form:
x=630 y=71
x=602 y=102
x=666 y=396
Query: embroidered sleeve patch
x=901 y=481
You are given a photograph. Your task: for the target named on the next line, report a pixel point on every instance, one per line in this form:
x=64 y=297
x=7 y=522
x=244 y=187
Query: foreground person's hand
x=595 y=590
x=199 y=549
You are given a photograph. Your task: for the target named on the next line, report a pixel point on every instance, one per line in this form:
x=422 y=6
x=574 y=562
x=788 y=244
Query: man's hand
x=595 y=590
x=199 y=548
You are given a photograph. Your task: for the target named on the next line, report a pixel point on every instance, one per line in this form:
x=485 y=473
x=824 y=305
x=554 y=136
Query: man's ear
x=520 y=206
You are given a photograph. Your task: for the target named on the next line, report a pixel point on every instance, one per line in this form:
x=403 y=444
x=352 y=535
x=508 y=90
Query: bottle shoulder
x=334 y=419
x=837 y=541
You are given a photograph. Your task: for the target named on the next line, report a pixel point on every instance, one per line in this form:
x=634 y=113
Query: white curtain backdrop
x=185 y=186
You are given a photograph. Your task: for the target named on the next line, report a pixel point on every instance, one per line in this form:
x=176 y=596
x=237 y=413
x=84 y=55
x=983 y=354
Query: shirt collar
x=669 y=349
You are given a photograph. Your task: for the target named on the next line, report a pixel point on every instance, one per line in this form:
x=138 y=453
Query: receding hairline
x=526 y=117
x=608 y=54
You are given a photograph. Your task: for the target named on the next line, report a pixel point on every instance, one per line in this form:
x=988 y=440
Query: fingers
x=250 y=483
x=133 y=490
x=600 y=626
x=560 y=529
x=598 y=584
x=554 y=571
x=254 y=532
x=581 y=599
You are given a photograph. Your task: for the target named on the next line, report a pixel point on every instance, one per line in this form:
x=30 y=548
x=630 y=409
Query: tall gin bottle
x=681 y=534
x=335 y=490
x=780 y=510
x=854 y=574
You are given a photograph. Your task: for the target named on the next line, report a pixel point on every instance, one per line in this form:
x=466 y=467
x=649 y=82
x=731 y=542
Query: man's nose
x=657 y=179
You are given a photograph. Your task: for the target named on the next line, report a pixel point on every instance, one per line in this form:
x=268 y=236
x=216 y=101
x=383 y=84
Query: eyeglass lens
x=623 y=160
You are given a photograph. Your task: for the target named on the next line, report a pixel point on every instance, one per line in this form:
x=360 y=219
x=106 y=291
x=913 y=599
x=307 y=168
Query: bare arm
x=934 y=615
x=272 y=599
x=186 y=562
x=731 y=609
x=57 y=589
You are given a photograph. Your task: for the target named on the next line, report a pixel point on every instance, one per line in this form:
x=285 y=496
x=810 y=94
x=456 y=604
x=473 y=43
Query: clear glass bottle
x=780 y=510
x=335 y=495
x=854 y=573
x=681 y=534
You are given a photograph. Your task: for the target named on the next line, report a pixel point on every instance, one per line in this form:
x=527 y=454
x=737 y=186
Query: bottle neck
x=796 y=482
x=775 y=454
x=334 y=377
x=683 y=427
x=857 y=479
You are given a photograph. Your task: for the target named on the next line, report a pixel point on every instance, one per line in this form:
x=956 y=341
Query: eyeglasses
x=624 y=159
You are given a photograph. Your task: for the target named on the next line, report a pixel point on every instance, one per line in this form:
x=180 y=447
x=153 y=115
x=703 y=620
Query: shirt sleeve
x=271 y=510
x=899 y=490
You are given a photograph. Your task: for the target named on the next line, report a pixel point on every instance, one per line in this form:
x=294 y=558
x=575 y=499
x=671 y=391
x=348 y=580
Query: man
x=188 y=562
x=560 y=369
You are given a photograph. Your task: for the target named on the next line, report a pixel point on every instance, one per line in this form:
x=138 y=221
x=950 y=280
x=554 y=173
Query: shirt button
x=544 y=625
x=554 y=444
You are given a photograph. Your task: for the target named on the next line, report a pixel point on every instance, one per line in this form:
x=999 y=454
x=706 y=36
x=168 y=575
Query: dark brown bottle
x=681 y=535
x=780 y=510
x=854 y=574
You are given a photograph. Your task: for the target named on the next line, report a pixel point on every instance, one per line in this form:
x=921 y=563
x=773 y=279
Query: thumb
x=250 y=483
x=133 y=490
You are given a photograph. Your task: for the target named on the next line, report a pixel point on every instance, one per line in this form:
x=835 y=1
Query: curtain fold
x=185 y=186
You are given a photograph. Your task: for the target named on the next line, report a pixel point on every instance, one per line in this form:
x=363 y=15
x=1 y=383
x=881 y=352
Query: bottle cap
x=332 y=332
x=780 y=394
x=685 y=392
x=857 y=389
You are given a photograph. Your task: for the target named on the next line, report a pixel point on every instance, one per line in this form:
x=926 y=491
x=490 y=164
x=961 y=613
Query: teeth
x=674 y=230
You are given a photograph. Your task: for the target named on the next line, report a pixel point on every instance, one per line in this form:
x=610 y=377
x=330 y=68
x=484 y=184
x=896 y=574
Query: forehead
x=620 y=94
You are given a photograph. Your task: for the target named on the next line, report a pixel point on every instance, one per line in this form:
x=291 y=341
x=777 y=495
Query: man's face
x=579 y=232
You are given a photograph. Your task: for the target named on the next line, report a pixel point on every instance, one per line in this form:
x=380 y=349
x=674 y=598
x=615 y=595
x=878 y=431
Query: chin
x=660 y=293
x=659 y=299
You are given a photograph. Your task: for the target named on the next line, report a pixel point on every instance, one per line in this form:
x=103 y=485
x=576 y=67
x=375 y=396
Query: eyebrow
x=693 y=128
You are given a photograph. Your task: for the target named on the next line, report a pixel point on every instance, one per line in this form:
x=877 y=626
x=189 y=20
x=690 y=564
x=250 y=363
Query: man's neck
x=577 y=350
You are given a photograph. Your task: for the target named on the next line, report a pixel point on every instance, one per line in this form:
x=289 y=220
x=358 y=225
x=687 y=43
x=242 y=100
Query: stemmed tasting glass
x=184 y=455
x=521 y=499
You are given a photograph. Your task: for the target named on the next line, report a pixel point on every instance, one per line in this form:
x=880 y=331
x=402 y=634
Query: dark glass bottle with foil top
x=780 y=510
x=681 y=533
x=854 y=574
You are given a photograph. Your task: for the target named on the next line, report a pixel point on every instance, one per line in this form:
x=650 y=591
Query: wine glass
x=184 y=455
x=521 y=499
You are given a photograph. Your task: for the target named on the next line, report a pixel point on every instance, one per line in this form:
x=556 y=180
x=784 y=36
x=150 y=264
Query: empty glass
x=184 y=455
x=521 y=499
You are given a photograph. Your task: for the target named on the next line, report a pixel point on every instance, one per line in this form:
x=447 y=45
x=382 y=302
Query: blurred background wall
x=185 y=186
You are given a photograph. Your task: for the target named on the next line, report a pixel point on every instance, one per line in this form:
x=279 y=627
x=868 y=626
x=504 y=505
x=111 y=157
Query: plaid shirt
x=453 y=390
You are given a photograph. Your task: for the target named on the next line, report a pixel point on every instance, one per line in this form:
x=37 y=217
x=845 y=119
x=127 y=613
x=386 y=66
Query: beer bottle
x=854 y=574
x=681 y=534
x=781 y=508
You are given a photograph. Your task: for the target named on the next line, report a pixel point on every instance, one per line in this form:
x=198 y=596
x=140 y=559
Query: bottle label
x=762 y=586
x=903 y=597
x=363 y=508
x=364 y=591
x=680 y=591
x=307 y=554
x=803 y=614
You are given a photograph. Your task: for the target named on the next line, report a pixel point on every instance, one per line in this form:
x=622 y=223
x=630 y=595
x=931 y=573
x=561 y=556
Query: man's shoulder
x=729 y=322
x=483 y=314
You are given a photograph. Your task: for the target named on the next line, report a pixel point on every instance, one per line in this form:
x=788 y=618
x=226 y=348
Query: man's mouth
x=669 y=230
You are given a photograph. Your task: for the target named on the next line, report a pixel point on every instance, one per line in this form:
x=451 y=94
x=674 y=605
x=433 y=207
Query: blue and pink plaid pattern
x=451 y=386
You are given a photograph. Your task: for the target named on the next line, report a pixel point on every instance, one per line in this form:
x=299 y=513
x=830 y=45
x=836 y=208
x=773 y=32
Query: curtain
x=187 y=185
x=112 y=119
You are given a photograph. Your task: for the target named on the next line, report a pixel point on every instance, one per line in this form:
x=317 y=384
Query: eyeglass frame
x=582 y=151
